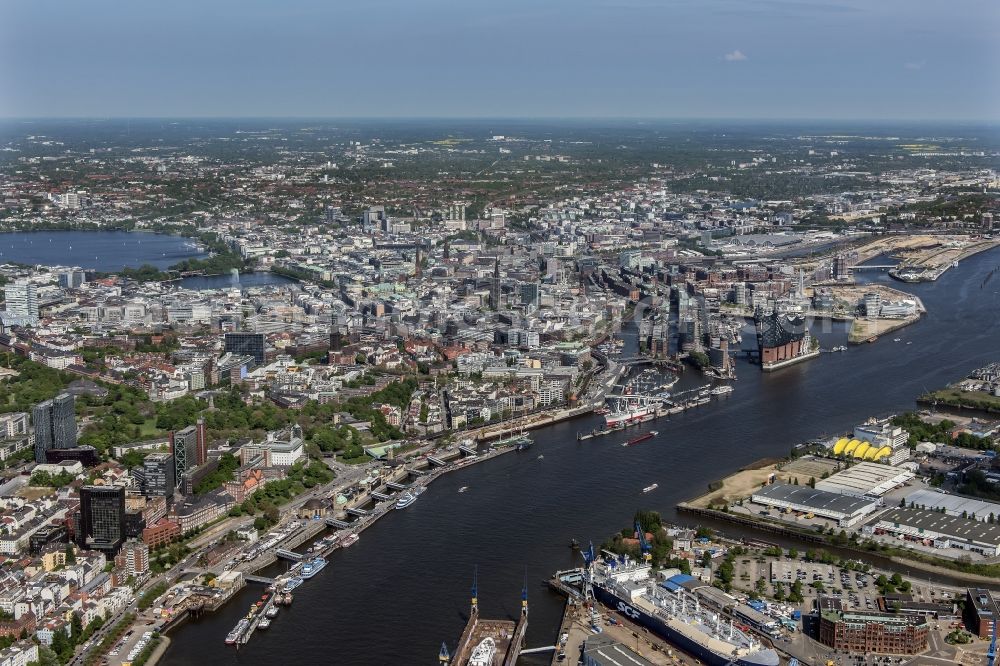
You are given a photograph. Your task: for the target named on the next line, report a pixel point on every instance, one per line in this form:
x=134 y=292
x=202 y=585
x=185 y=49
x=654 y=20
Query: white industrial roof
x=866 y=478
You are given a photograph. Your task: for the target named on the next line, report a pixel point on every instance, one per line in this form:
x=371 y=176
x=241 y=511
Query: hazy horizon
x=852 y=60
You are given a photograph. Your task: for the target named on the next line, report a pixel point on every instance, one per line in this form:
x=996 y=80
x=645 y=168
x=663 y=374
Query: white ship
x=628 y=415
x=483 y=653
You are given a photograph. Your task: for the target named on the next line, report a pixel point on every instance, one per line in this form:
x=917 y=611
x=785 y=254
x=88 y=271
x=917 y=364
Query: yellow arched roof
x=882 y=453
x=861 y=450
x=853 y=444
x=839 y=447
x=872 y=452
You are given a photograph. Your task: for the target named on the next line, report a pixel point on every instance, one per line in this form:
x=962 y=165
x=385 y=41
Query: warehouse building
x=939 y=530
x=954 y=505
x=866 y=479
x=845 y=509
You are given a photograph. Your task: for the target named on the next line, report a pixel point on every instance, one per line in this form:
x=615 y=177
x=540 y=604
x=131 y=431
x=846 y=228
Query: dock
x=507 y=636
x=668 y=407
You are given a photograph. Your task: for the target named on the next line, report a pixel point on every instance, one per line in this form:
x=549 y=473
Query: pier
x=251 y=578
x=339 y=524
x=288 y=555
x=507 y=635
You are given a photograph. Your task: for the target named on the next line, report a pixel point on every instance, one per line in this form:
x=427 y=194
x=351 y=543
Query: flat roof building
x=847 y=510
x=863 y=632
x=602 y=650
x=865 y=479
x=954 y=505
x=940 y=530
x=982 y=609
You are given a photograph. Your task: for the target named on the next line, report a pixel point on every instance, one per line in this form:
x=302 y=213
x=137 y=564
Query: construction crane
x=643 y=544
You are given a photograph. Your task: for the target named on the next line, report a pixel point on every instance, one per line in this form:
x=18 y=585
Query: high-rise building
x=22 y=301
x=160 y=475
x=246 y=344
x=101 y=524
x=495 y=289
x=134 y=558
x=72 y=279
x=189 y=449
x=55 y=425
x=531 y=294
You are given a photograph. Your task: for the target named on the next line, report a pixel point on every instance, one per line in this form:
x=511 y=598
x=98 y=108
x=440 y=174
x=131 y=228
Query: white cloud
x=915 y=65
x=735 y=56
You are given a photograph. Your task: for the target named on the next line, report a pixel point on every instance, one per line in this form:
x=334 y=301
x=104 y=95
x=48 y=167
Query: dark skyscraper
x=55 y=425
x=102 y=519
x=160 y=475
x=495 y=287
x=246 y=344
x=189 y=449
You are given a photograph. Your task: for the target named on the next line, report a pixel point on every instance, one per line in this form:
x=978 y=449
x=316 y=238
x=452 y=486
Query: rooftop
x=954 y=527
x=818 y=499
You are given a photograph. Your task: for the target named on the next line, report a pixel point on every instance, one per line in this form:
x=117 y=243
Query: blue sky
x=841 y=59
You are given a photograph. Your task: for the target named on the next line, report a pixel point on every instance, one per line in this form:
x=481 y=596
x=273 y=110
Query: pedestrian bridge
x=288 y=555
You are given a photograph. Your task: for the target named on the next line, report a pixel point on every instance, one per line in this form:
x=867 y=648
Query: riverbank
x=740 y=485
x=951 y=397
x=161 y=649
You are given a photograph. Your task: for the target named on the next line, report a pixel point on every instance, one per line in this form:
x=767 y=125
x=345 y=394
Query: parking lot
x=856 y=589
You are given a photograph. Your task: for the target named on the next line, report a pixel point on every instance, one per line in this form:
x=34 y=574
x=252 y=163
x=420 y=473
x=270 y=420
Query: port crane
x=991 y=654
x=644 y=545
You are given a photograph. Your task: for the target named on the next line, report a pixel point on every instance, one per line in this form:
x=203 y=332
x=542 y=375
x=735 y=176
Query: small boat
x=463 y=489
x=350 y=540
x=721 y=390
x=909 y=342
x=264 y=624
x=896 y=339
x=271 y=612
x=651 y=487
x=539 y=457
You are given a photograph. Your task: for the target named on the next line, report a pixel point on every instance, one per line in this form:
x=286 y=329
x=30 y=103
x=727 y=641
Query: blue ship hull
x=660 y=628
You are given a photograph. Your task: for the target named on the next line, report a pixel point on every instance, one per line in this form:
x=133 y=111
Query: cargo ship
x=642 y=438
x=629 y=415
x=677 y=616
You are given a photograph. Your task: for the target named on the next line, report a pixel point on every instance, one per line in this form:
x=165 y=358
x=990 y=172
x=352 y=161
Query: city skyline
x=598 y=59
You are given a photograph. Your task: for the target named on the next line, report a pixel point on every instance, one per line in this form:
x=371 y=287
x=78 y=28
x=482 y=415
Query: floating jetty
x=701 y=396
